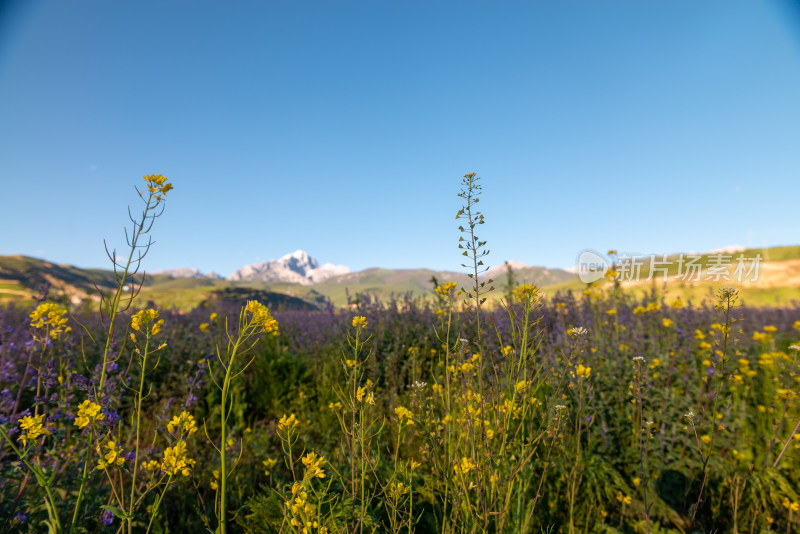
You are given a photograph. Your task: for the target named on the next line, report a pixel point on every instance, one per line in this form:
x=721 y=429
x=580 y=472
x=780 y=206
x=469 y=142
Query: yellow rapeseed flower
x=262 y=317
x=359 y=321
x=287 y=422
x=314 y=465
x=176 y=461
x=522 y=386
x=404 y=415
x=50 y=316
x=146 y=318
x=110 y=455
x=32 y=427
x=157 y=183
x=582 y=371
x=185 y=422
x=445 y=288
x=464 y=467
x=527 y=292
x=88 y=412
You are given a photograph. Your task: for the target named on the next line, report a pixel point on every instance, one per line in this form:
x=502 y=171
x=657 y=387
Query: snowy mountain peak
x=297 y=267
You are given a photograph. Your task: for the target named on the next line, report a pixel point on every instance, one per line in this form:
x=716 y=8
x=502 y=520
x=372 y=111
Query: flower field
x=589 y=412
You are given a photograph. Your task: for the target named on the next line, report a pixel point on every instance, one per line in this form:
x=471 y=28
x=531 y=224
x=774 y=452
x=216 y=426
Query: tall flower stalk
x=254 y=321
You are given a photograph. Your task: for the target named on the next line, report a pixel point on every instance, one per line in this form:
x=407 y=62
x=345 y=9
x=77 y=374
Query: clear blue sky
x=343 y=128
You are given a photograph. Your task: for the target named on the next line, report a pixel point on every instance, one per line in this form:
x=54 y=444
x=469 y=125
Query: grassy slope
x=20 y=278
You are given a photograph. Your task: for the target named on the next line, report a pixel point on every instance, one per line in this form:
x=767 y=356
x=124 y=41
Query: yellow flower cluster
x=404 y=415
x=269 y=464
x=624 y=499
x=762 y=337
x=112 y=455
x=150 y=466
x=791 y=506
x=769 y=359
x=287 y=422
x=143 y=320
x=175 y=460
x=32 y=427
x=527 y=292
x=314 y=465
x=362 y=395
x=157 y=183
x=262 y=317
x=359 y=321
x=522 y=386
x=88 y=412
x=582 y=371
x=304 y=516
x=464 y=467
x=51 y=316
x=398 y=489
x=651 y=307
x=446 y=288
x=184 y=422
x=666 y=322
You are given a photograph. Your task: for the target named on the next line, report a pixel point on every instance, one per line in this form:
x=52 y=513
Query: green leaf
x=116 y=511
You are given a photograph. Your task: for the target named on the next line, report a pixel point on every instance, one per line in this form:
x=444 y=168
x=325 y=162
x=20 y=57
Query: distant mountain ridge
x=300 y=275
x=186 y=272
x=296 y=268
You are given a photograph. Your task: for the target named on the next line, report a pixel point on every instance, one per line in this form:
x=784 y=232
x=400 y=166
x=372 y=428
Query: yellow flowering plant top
x=314 y=464
x=176 y=461
x=184 y=422
x=51 y=317
x=158 y=185
x=31 y=427
x=88 y=412
x=110 y=455
x=287 y=422
x=446 y=289
x=262 y=317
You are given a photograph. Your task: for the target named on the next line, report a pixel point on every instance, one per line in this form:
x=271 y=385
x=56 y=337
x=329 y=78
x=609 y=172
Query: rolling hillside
x=21 y=278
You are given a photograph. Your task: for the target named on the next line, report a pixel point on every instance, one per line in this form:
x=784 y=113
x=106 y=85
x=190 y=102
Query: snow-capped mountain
x=498 y=270
x=186 y=272
x=297 y=267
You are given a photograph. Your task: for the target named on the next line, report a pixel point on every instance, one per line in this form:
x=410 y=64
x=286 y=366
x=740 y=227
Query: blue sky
x=343 y=128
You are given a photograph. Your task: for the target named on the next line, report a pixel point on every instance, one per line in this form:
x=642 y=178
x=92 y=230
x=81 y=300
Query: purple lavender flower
x=107 y=517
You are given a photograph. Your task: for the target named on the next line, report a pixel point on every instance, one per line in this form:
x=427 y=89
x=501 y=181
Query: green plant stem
x=223 y=421
x=84 y=477
x=39 y=478
x=118 y=296
x=157 y=504
x=138 y=429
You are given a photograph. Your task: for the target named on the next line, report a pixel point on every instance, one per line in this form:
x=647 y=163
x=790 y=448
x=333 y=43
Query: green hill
x=22 y=277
